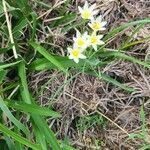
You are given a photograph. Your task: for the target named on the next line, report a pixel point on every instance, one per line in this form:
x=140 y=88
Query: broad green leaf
x=18 y=138
x=32 y=108
x=48 y=56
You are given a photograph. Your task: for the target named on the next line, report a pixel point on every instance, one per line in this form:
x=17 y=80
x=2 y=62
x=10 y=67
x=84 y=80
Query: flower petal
x=95 y=12
x=100 y=36
x=70 y=57
x=86 y=5
x=78 y=34
x=92 y=7
x=80 y=9
x=100 y=42
x=69 y=49
x=95 y=47
x=76 y=60
x=82 y=56
x=103 y=28
x=103 y=23
x=99 y=18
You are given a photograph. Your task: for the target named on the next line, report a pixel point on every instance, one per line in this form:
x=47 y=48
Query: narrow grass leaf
x=8 y=113
x=17 y=30
x=18 y=138
x=3 y=66
x=142 y=118
x=48 y=56
x=124 y=26
x=117 y=54
x=9 y=142
x=134 y=43
x=43 y=64
x=30 y=108
x=145 y=147
x=111 y=80
x=40 y=138
x=24 y=85
x=2 y=75
x=38 y=120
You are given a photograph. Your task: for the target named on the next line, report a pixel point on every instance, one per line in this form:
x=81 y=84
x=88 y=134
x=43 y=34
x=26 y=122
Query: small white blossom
x=97 y=24
x=81 y=41
x=95 y=40
x=75 y=54
x=88 y=12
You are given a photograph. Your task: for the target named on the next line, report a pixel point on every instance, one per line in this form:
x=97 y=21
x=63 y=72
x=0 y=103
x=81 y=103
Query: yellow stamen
x=75 y=53
x=86 y=14
x=81 y=42
x=96 y=26
x=94 y=40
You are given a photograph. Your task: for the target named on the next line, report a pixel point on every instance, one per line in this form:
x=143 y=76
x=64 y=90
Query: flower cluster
x=82 y=41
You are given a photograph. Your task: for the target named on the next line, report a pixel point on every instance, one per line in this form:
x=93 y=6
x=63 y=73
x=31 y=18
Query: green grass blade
x=17 y=30
x=134 y=43
x=9 y=142
x=124 y=26
x=24 y=85
x=7 y=112
x=3 y=66
x=42 y=64
x=38 y=120
x=18 y=138
x=145 y=147
x=48 y=56
x=2 y=75
x=40 y=138
x=111 y=80
x=117 y=54
x=142 y=118
x=28 y=108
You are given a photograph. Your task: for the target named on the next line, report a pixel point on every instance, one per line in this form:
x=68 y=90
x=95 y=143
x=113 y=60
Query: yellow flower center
x=96 y=26
x=80 y=42
x=94 y=40
x=86 y=14
x=75 y=53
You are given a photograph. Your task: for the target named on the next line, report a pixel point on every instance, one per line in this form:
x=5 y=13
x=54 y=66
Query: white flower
x=75 y=54
x=97 y=24
x=87 y=12
x=81 y=41
x=95 y=40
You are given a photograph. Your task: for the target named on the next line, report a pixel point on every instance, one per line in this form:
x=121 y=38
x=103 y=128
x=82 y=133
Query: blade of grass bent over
x=120 y=55
x=35 y=109
x=19 y=138
x=3 y=66
x=39 y=121
x=124 y=26
x=7 y=112
x=48 y=56
x=111 y=80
